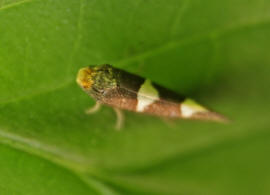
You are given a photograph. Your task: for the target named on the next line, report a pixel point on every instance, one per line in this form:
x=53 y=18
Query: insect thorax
x=104 y=79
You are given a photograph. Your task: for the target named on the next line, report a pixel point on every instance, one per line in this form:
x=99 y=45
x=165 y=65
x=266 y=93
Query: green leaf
x=216 y=52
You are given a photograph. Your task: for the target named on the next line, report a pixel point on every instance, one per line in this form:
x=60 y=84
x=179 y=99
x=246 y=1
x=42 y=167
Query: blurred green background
x=214 y=51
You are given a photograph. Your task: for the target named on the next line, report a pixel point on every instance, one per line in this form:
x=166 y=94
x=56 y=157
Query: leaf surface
x=215 y=52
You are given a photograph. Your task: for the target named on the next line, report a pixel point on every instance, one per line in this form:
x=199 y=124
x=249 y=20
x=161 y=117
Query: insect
x=125 y=91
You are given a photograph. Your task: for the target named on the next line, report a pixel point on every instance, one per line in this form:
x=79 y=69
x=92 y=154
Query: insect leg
x=93 y=109
x=120 y=118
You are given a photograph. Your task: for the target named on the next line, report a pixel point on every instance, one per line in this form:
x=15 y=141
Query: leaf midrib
x=82 y=174
x=74 y=170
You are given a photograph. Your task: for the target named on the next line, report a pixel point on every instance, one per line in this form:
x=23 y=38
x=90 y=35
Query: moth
x=125 y=91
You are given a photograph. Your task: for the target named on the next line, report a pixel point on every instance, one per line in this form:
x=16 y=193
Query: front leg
x=118 y=112
x=93 y=109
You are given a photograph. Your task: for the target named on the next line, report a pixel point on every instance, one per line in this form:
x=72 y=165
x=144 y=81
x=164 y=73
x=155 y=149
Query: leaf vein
x=8 y=6
x=179 y=16
x=34 y=94
x=215 y=34
x=76 y=43
x=73 y=164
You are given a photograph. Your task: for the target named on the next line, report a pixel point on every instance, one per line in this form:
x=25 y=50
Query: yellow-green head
x=96 y=80
x=85 y=78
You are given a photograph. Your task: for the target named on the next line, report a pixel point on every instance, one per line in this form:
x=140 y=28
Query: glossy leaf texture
x=214 y=51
